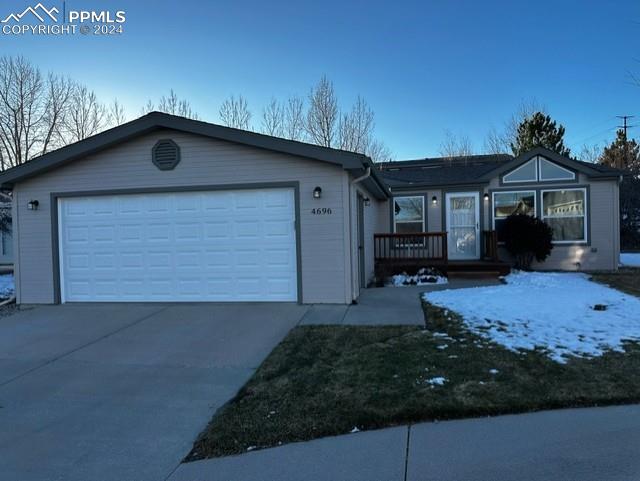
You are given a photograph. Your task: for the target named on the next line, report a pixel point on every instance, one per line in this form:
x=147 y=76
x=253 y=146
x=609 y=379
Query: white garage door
x=186 y=246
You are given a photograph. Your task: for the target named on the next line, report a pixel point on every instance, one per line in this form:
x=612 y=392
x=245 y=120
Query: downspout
x=366 y=175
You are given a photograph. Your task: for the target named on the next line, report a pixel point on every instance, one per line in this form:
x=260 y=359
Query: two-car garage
x=220 y=245
x=169 y=209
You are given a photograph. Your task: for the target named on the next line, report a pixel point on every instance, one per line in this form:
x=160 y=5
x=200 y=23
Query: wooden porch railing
x=393 y=251
x=489 y=239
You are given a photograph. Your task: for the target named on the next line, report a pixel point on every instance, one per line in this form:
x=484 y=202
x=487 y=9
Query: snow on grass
x=422 y=278
x=630 y=259
x=7 y=287
x=549 y=310
x=437 y=381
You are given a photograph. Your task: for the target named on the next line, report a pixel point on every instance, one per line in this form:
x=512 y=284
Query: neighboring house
x=6 y=241
x=165 y=208
x=468 y=197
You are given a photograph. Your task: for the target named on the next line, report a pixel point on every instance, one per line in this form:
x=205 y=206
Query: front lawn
x=626 y=279
x=327 y=380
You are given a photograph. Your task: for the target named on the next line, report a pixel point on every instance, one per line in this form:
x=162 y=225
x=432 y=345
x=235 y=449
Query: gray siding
x=205 y=162
x=602 y=252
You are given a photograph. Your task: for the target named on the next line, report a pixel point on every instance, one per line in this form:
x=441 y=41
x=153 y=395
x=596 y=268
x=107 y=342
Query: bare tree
x=234 y=112
x=591 y=153
x=500 y=142
x=116 y=114
x=294 y=120
x=86 y=115
x=494 y=142
x=355 y=128
x=32 y=108
x=273 y=116
x=379 y=152
x=148 y=107
x=454 y=146
x=322 y=116
x=173 y=105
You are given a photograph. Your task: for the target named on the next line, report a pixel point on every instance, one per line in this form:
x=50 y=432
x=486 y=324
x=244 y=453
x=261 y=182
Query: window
x=525 y=173
x=408 y=214
x=507 y=203
x=551 y=171
x=538 y=169
x=565 y=211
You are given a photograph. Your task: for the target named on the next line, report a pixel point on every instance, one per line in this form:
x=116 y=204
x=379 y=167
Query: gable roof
x=353 y=162
x=477 y=169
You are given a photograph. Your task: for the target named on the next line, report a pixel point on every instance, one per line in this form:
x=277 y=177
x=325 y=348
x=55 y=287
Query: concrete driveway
x=120 y=391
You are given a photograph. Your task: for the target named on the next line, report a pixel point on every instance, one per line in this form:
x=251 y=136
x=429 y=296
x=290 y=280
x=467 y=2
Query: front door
x=463 y=225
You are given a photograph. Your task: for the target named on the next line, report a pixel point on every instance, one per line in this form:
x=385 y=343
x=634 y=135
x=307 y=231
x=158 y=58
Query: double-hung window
x=565 y=210
x=408 y=215
x=508 y=203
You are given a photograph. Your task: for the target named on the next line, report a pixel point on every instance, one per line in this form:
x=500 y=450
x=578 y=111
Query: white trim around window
x=408 y=221
x=567 y=214
x=528 y=192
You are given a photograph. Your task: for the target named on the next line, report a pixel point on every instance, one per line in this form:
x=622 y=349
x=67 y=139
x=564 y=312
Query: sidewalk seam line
x=406 y=455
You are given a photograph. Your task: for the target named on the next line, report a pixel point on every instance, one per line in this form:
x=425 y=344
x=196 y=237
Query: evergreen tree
x=624 y=154
x=539 y=130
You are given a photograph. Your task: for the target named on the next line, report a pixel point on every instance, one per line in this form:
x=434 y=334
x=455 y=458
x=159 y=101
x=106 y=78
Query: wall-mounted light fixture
x=33 y=205
x=366 y=201
x=486 y=197
x=434 y=200
x=317 y=192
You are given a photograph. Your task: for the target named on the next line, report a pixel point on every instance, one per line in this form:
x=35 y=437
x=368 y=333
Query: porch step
x=473 y=274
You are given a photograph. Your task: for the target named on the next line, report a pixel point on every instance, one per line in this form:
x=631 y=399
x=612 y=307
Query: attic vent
x=165 y=154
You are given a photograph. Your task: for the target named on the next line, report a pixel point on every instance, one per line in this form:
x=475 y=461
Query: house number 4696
x=321 y=211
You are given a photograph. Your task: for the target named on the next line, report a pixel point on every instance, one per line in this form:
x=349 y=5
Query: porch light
x=486 y=197
x=366 y=201
x=434 y=200
x=317 y=192
x=33 y=205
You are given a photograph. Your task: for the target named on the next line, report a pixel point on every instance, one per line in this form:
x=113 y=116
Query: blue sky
x=423 y=66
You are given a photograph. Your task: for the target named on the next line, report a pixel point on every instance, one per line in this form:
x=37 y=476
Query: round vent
x=165 y=154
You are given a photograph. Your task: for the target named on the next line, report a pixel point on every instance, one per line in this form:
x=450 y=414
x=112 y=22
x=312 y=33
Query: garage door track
x=120 y=391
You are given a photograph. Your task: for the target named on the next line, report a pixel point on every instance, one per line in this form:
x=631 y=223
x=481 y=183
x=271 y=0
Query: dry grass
x=326 y=380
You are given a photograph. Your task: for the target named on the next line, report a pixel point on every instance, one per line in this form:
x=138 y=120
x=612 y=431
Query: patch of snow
x=493 y=371
x=7 y=286
x=442 y=346
x=630 y=259
x=424 y=277
x=355 y=430
x=251 y=448
x=436 y=381
x=549 y=310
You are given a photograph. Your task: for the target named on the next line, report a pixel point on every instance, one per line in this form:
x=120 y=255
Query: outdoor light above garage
x=317 y=192
x=434 y=200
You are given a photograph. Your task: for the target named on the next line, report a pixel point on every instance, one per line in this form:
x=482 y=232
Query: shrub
x=527 y=238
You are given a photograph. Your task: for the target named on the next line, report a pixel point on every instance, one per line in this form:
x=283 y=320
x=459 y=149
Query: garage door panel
x=188 y=246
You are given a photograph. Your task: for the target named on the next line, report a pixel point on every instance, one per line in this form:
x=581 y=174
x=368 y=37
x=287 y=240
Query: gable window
x=550 y=171
x=565 y=210
x=527 y=172
x=538 y=169
x=408 y=215
x=508 y=203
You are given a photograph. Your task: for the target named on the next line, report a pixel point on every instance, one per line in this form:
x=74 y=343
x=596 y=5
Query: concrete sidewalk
x=386 y=305
x=591 y=444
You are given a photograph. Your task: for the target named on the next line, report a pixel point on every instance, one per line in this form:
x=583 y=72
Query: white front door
x=228 y=245
x=463 y=225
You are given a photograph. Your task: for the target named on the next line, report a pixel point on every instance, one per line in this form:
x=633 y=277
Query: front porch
x=395 y=253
